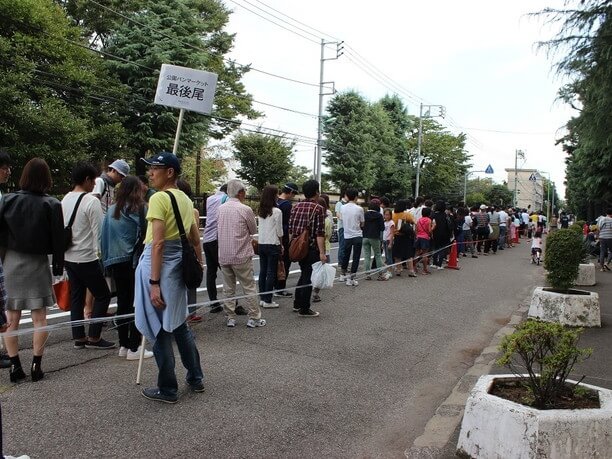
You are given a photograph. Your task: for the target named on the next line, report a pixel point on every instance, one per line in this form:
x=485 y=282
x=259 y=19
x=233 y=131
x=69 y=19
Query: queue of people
x=113 y=227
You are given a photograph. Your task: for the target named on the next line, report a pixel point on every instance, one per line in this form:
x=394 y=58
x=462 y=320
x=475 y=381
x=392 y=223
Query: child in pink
x=424 y=228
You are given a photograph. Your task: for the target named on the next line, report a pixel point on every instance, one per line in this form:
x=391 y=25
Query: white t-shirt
x=85 y=229
x=536 y=243
x=337 y=210
x=525 y=217
x=271 y=228
x=417 y=212
x=105 y=193
x=389 y=226
x=467 y=223
x=503 y=218
x=352 y=219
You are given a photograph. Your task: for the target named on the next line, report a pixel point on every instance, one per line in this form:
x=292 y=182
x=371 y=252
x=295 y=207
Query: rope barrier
x=208 y=304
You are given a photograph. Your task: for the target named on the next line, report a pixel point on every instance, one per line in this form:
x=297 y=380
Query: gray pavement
x=362 y=380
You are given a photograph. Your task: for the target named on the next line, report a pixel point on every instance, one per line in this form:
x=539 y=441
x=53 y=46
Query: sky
x=476 y=58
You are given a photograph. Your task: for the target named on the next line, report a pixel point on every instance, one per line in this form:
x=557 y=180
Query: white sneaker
x=136 y=355
x=123 y=351
x=354 y=282
x=342 y=277
x=349 y=282
x=270 y=305
x=231 y=323
x=252 y=323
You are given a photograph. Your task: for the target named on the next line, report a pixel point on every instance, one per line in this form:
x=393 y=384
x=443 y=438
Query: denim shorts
x=421 y=244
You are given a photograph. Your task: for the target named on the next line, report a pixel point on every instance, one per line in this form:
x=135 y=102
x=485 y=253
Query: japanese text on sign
x=186 y=88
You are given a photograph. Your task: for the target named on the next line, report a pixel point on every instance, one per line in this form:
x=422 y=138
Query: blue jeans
x=340 y=245
x=388 y=253
x=460 y=245
x=352 y=244
x=268 y=263
x=164 y=356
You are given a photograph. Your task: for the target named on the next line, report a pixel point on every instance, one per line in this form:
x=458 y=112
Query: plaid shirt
x=236 y=222
x=305 y=213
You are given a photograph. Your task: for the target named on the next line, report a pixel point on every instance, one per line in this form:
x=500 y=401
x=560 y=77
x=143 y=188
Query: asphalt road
x=359 y=381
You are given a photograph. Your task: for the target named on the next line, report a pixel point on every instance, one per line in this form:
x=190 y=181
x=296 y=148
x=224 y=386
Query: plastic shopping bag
x=323 y=275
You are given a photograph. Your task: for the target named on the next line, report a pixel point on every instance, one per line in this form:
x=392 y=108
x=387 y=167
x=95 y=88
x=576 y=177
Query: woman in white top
x=270 y=235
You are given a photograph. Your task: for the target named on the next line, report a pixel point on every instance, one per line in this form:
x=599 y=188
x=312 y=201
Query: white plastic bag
x=323 y=275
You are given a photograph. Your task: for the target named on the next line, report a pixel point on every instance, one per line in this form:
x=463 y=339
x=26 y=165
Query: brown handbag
x=280 y=271
x=62 y=294
x=298 y=247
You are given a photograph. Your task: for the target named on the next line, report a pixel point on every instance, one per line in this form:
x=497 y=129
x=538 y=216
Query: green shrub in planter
x=547 y=352
x=564 y=252
x=577 y=226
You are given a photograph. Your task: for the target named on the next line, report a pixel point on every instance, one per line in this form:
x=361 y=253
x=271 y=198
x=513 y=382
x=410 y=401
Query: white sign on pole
x=533 y=178
x=186 y=88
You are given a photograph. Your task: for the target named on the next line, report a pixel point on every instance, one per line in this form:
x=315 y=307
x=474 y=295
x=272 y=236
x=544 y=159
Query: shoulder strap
x=74 y=211
x=177 y=215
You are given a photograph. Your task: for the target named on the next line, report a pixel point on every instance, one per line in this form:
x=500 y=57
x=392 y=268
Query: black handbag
x=68 y=227
x=193 y=273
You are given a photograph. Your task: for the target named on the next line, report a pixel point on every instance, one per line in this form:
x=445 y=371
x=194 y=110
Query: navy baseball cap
x=164 y=159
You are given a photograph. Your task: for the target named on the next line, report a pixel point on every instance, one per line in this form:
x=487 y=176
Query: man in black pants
x=308 y=214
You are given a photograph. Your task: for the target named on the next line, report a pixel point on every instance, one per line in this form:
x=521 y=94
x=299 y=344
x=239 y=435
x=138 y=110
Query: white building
x=529 y=188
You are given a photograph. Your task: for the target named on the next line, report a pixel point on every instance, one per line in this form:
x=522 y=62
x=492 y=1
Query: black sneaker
x=240 y=311
x=5 y=362
x=80 y=344
x=284 y=294
x=296 y=309
x=197 y=387
x=101 y=344
x=216 y=308
x=153 y=393
x=309 y=313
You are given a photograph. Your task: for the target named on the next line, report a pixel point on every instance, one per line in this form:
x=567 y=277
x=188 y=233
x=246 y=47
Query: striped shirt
x=235 y=225
x=605 y=228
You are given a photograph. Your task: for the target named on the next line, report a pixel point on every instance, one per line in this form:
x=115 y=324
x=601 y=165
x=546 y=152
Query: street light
x=420 y=139
x=488 y=170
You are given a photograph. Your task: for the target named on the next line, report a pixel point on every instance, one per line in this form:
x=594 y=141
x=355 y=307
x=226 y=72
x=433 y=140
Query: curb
x=439 y=430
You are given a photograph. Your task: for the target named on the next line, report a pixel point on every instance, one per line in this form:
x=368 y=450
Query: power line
x=299 y=22
x=190 y=45
x=280 y=19
x=273 y=22
x=249 y=98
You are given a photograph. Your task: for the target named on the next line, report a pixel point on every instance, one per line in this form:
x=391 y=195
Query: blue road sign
x=489 y=170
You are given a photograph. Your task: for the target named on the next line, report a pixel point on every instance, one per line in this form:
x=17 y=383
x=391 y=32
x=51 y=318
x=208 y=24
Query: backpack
x=406 y=229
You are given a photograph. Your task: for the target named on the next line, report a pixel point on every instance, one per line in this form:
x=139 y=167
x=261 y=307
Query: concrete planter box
x=586 y=275
x=493 y=427
x=579 y=309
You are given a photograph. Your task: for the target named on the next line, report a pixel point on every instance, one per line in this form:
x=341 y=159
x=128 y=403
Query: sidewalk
x=442 y=431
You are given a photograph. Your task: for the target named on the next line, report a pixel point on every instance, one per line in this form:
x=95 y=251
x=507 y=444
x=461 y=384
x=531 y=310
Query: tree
x=499 y=195
x=349 y=141
x=57 y=100
x=264 y=159
x=394 y=179
x=298 y=174
x=189 y=33
x=444 y=161
x=212 y=169
x=583 y=52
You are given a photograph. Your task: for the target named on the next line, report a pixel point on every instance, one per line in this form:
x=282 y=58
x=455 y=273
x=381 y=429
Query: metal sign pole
x=179 y=126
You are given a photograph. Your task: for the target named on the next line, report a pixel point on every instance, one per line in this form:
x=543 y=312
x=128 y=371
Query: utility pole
x=517 y=153
x=319 y=152
x=420 y=140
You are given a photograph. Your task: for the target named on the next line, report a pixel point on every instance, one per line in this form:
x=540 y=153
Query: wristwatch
x=153 y=282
